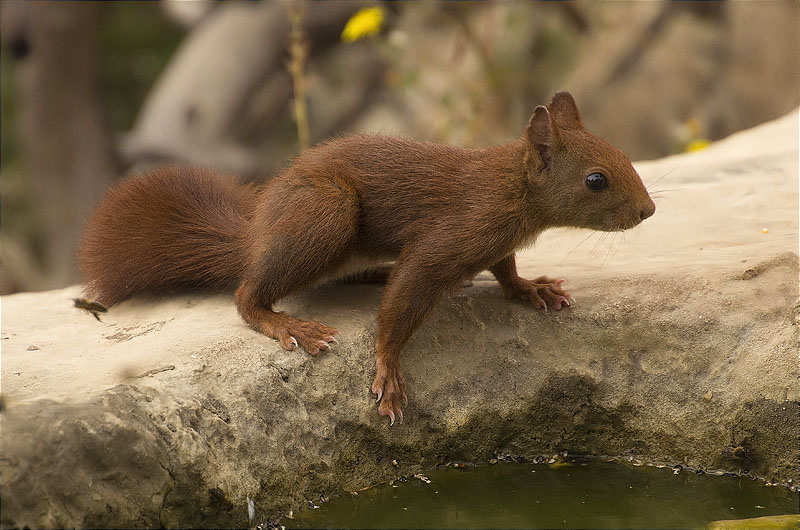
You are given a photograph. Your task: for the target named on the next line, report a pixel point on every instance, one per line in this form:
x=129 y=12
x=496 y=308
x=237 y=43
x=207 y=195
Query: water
x=598 y=495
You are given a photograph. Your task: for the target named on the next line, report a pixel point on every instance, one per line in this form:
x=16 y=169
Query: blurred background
x=94 y=91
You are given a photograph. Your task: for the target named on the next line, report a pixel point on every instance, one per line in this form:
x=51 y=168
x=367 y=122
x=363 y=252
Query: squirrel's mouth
x=634 y=223
x=620 y=225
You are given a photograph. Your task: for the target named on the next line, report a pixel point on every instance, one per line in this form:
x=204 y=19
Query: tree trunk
x=68 y=149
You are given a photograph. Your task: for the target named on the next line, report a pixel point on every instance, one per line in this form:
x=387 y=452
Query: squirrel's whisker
x=665 y=174
x=593 y=232
x=599 y=240
x=666 y=190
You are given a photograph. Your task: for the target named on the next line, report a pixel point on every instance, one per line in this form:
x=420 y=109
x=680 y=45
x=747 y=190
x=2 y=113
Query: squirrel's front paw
x=542 y=292
x=390 y=387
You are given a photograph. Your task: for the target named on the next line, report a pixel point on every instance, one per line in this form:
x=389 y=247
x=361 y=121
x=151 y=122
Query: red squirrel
x=442 y=214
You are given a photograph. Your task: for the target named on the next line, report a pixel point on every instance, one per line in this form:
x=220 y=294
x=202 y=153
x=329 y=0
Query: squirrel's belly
x=354 y=265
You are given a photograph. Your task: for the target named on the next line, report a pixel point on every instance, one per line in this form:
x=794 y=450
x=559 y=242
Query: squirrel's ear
x=565 y=111
x=540 y=136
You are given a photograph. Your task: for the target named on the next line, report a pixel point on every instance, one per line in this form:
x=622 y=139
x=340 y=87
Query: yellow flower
x=697 y=145
x=367 y=21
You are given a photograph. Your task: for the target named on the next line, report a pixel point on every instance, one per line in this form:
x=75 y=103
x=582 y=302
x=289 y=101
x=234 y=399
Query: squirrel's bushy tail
x=168 y=229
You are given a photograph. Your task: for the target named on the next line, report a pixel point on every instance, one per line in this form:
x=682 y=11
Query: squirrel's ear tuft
x=565 y=111
x=540 y=136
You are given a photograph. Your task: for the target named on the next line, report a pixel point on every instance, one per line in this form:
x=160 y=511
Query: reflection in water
x=600 y=495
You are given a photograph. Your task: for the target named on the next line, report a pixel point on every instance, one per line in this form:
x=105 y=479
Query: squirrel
x=442 y=214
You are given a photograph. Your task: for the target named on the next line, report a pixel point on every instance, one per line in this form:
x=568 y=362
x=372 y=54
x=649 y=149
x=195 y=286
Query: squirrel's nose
x=647 y=211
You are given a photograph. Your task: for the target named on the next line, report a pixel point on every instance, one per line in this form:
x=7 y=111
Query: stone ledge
x=682 y=349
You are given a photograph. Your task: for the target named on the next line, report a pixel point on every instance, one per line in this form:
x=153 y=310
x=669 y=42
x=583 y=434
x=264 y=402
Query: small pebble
x=32 y=348
x=493 y=461
x=708 y=395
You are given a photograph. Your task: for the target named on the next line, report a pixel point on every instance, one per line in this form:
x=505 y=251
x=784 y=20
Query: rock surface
x=682 y=348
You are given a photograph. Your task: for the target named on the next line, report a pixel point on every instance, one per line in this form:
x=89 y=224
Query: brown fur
x=443 y=214
x=175 y=227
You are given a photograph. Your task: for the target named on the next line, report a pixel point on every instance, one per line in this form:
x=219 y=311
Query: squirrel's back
x=170 y=228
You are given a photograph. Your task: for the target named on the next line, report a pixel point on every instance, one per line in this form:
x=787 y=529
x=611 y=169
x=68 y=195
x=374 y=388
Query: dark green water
x=598 y=495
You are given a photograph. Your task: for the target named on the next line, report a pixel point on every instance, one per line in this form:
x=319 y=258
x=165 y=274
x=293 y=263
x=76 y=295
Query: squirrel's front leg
x=413 y=289
x=542 y=291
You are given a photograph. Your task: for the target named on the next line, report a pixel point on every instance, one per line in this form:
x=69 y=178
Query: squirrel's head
x=591 y=183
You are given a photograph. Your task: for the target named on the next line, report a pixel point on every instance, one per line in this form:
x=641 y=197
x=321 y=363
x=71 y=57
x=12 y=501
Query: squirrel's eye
x=596 y=182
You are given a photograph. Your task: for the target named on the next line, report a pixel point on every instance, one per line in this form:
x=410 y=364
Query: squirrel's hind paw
x=313 y=337
x=543 y=292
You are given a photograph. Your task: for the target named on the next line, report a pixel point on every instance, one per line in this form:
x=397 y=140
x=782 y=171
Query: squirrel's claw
x=542 y=292
x=390 y=387
x=313 y=337
x=561 y=302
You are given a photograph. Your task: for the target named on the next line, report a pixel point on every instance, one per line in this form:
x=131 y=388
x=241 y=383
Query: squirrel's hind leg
x=293 y=247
